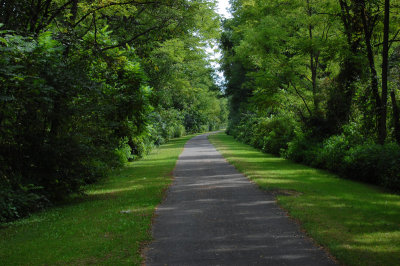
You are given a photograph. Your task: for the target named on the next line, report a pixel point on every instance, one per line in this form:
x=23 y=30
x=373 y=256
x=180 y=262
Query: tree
x=89 y=85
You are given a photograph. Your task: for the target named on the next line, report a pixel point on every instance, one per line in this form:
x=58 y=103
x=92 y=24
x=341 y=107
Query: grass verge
x=106 y=227
x=359 y=224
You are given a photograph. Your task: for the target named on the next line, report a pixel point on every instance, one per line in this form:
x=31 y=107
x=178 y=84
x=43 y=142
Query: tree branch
x=302 y=98
x=113 y=4
x=136 y=36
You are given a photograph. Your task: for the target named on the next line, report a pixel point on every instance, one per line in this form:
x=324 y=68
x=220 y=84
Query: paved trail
x=213 y=215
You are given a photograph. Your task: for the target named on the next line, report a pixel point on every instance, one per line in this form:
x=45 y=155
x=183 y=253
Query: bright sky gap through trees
x=223 y=10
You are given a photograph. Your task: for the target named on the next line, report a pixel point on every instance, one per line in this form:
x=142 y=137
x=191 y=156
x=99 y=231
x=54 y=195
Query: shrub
x=123 y=152
x=351 y=155
x=303 y=149
x=179 y=131
x=16 y=203
x=332 y=153
x=270 y=134
x=279 y=131
x=63 y=119
x=374 y=163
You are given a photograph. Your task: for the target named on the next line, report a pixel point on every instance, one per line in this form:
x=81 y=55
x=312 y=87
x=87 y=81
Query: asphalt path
x=213 y=215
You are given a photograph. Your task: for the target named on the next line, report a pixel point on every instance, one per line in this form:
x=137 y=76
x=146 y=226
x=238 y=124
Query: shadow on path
x=213 y=215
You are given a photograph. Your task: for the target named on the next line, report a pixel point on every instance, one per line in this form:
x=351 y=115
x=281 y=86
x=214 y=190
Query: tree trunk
x=396 y=117
x=341 y=96
x=385 y=64
x=346 y=20
x=381 y=120
x=313 y=64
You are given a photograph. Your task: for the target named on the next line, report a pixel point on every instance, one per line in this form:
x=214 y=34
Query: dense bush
x=280 y=132
x=374 y=163
x=332 y=153
x=348 y=154
x=82 y=94
x=303 y=149
x=342 y=93
x=270 y=134
x=58 y=128
x=66 y=122
x=368 y=162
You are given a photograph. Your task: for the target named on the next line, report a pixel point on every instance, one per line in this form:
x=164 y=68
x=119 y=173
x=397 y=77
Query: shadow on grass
x=358 y=223
x=112 y=217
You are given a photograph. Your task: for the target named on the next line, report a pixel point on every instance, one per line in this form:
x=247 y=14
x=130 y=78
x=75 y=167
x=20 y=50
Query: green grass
x=359 y=224
x=107 y=227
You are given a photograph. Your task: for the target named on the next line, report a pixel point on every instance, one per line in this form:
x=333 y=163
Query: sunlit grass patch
x=358 y=223
x=107 y=226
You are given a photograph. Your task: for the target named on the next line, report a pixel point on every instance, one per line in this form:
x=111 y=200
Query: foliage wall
x=317 y=82
x=88 y=85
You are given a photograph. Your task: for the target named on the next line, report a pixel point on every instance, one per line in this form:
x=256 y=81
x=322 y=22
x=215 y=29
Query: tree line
x=317 y=82
x=88 y=85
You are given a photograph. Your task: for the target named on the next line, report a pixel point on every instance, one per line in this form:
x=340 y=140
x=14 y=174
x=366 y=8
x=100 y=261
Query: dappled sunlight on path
x=213 y=215
x=352 y=219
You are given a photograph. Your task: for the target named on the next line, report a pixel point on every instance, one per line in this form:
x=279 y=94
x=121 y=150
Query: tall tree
x=385 y=66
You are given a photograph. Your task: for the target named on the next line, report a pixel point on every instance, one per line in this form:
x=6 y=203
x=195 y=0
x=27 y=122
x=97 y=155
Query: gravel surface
x=213 y=215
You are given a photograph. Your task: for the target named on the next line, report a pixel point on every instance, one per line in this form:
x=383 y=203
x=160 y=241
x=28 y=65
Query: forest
x=317 y=82
x=87 y=86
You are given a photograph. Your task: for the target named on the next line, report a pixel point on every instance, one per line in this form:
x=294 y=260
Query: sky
x=222 y=10
x=222 y=6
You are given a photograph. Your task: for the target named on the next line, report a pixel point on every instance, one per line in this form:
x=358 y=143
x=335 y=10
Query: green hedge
x=347 y=154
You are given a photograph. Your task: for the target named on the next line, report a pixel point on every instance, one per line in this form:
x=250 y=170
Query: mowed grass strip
x=106 y=227
x=359 y=224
